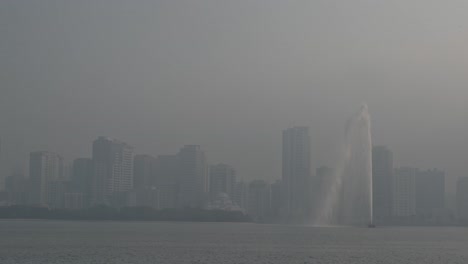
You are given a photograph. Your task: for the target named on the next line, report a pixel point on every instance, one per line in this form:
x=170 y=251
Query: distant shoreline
x=125 y=214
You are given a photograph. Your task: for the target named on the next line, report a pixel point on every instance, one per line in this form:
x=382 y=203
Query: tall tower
x=404 y=192
x=2 y=178
x=143 y=171
x=193 y=182
x=382 y=180
x=45 y=171
x=82 y=178
x=296 y=174
x=113 y=169
x=222 y=180
x=430 y=192
x=2 y=168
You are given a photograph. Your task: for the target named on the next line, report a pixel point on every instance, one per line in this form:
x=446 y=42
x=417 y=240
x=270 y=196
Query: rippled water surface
x=143 y=242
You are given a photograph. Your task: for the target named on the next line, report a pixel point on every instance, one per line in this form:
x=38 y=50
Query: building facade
x=462 y=199
x=192 y=179
x=430 y=193
x=113 y=171
x=259 y=200
x=16 y=187
x=45 y=170
x=82 y=180
x=143 y=171
x=241 y=195
x=404 y=192
x=382 y=182
x=222 y=181
x=296 y=174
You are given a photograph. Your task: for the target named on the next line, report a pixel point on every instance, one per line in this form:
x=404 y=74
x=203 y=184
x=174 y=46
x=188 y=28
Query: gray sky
x=230 y=75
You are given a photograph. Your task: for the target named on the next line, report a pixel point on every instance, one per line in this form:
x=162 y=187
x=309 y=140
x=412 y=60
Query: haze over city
x=159 y=131
x=231 y=75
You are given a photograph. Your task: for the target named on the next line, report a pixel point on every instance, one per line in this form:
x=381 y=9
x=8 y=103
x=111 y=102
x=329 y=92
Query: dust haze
x=231 y=75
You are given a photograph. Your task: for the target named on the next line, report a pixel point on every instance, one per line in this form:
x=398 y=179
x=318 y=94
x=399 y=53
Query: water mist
x=347 y=198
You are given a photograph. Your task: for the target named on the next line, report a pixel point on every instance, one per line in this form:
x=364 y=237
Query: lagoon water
x=156 y=242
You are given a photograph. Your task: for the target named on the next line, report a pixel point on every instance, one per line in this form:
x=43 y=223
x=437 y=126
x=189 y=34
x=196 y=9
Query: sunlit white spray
x=347 y=196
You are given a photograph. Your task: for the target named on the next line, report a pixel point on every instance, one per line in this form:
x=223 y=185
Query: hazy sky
x=231 y=75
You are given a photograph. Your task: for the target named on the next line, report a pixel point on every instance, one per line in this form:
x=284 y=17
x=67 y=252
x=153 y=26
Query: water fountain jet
x=348 y=192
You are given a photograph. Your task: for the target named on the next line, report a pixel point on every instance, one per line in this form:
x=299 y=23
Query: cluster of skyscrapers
x=407 y=195
x=399 y=195
x=114 y=176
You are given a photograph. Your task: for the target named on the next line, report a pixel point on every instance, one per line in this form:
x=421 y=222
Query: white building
x=113 y=169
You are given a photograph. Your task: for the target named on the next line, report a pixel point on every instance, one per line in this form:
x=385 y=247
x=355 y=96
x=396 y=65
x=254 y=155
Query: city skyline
x=159 y=131
x=68 y=163
x=117 y=176
x=232 y=75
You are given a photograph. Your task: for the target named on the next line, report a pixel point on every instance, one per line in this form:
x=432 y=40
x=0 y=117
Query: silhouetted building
x=55 y=193
x=143 y=171
x=148 y=197
x=321 y=187
x=296 y=174
x=168 y=194
x=166 y=178
x=404 y=192
x=382 y=175
x=241 y=195
x=82 y=180
x=276 y=189
x=75 y=200
x=259 y=200
x=45 y=170
x=223 y=202
x=113 y=171
x=166 y=170
x=462 y=199
x=192 y=180
x=430 y=193
x=222 y=180
x=16 y=187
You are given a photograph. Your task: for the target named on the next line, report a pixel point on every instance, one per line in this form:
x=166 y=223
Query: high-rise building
x=192 y=180
x=404 y=192
x=45 y=173
x=143 y=171
x=382 y=175
x=143 y=181
x=322 y=183
x=222 y=181
x=259 y=200
x=168 y=195
x=2 y=169
x=113 y=171
x=241 y=195
x=56 y=190
x=296 y=174
x=75 y=200
x=166 y=177
x=430 y=193
x=276 y=189
x=16 y=187
x=166 y=170
x=81 y=180
x=462 y=199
